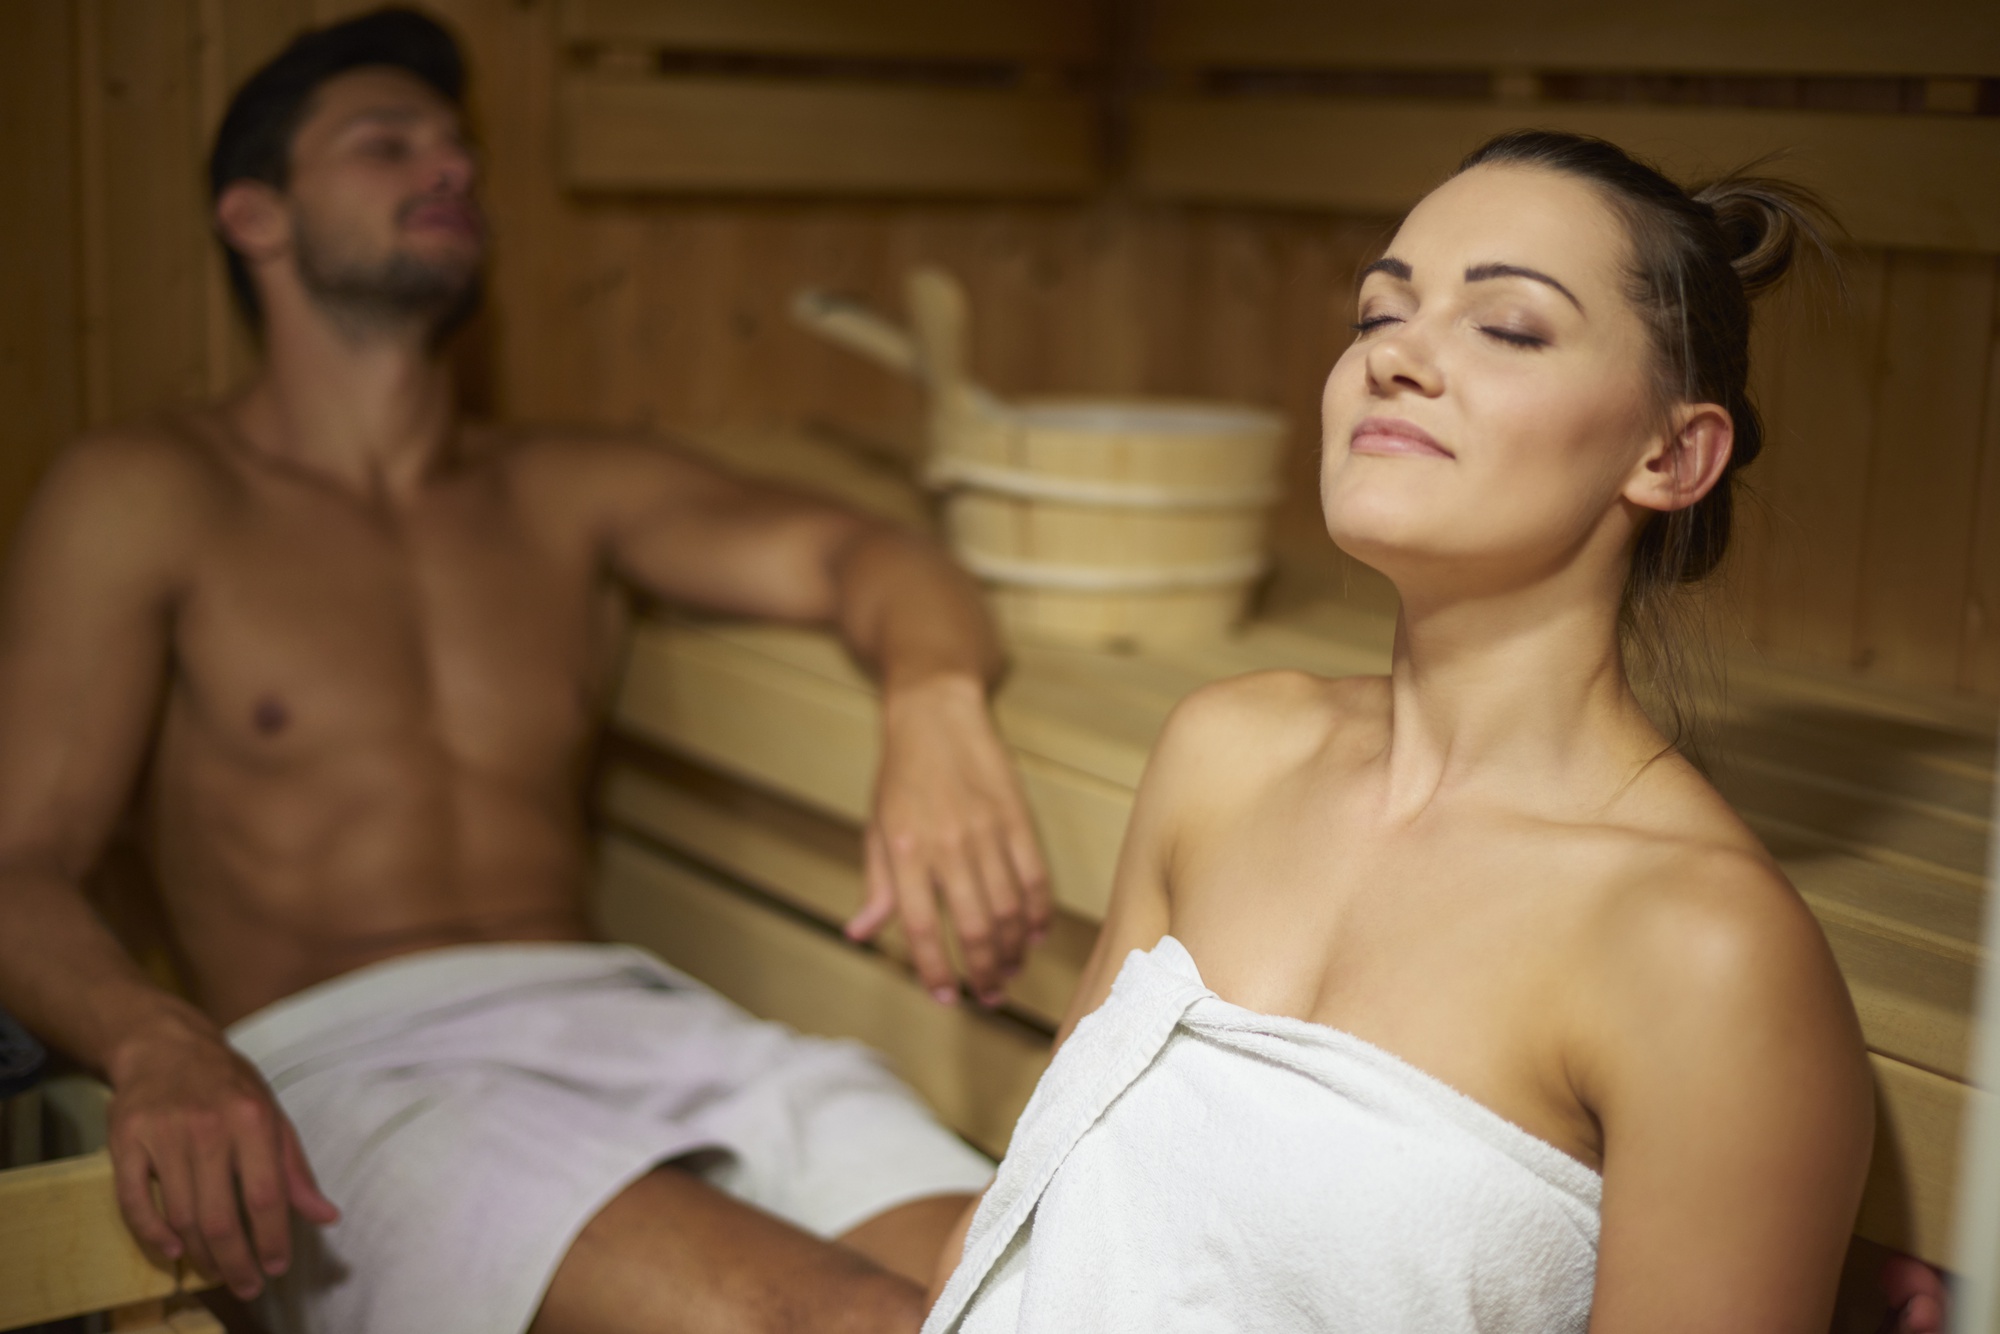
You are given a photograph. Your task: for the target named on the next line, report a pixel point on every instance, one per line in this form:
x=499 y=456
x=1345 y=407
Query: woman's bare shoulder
x=1270 y=721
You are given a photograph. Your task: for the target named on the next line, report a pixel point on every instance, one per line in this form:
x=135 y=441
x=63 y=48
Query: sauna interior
x=1166 y=198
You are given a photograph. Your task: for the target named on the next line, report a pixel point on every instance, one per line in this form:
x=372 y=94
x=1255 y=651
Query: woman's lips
x=1393 y=435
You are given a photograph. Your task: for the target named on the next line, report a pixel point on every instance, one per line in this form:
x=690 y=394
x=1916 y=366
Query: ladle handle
x=845 y=321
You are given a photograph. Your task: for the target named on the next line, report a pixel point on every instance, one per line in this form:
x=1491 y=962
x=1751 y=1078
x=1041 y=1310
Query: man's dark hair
x=255 y=140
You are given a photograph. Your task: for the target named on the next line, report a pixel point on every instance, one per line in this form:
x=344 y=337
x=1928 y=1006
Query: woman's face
x=1497 y=399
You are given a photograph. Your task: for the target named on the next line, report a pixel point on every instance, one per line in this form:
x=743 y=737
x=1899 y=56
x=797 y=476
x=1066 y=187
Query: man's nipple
x=270 y=717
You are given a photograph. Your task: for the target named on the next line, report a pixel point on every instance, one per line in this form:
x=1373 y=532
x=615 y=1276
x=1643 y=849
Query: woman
x=1458 y=999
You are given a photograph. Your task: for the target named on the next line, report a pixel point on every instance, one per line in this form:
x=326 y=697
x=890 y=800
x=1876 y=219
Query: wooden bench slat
x=772 y=136
x=66 y=1246
x=1916 y=182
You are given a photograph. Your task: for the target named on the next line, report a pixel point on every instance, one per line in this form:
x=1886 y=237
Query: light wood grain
x=1917 y=543
x=67 y=1251
x=965 y=29
x=1895 y=180
x=976 y=1070
x=712 y=135
x=1775 y=36
x=1912 y=1183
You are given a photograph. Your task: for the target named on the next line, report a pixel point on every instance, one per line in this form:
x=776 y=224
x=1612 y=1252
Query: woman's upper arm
x=1182 y=766
x=1728 y=1074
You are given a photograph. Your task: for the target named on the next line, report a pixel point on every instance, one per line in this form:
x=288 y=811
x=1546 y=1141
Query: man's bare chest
x=310 y=624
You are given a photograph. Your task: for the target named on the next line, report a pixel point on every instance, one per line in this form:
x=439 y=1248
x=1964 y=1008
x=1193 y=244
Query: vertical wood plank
x=38 y=307
x=154 y=233
x=1979 y=661
x=1918 y=537
x=1816 y=371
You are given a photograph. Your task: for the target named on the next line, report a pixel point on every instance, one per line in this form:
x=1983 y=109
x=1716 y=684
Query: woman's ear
x=253 y=219
x=1686 y=462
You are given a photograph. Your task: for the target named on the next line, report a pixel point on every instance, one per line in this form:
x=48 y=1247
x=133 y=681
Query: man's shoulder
x=143 y=476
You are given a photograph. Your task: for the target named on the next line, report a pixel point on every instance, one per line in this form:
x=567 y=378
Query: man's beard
x=370 y=296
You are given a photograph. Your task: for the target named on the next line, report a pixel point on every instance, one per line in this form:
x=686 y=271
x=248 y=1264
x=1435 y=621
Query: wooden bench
x=733 y=804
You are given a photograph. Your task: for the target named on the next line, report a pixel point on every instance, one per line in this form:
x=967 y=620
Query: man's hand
x=950 y=823
x=189 y=1113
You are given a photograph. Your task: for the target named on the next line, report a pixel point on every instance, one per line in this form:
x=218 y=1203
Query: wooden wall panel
x=1831 y=36
x=1979 y=664
x=40 y=394
x=1917 y=545
x=1881 y=492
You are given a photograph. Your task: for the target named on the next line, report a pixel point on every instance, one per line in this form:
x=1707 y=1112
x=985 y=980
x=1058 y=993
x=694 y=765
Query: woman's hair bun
x=1766 y=223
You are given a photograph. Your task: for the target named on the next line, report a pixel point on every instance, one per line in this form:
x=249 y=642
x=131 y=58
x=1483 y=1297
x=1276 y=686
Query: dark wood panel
x=1820 y=36
x=962 y=29
x=39 y=368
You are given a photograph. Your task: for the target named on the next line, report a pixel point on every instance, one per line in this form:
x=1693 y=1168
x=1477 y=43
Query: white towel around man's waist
x=470 y=1109
x=1187 y=1164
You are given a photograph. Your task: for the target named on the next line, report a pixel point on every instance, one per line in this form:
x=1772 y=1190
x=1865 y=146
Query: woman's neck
x=1521 y=693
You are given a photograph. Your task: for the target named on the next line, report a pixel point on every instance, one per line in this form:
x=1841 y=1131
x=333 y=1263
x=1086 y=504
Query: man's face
x=386 y=228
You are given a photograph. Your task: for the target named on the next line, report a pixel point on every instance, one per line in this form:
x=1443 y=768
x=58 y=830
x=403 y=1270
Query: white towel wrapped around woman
x=1187 y=1164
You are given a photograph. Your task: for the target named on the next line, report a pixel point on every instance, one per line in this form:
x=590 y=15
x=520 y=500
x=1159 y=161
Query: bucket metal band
x=948 y=471
x=1110 y=578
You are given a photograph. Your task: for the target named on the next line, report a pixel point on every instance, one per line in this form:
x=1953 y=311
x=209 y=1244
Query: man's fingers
x=260 y=1171
x=217 y=1217
x=879 y=903
x=132 y=1177
x=177 y=1204
x=912 y=883
x=301 y=1188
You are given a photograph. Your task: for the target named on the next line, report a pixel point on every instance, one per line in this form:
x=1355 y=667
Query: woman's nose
x=1403 y=361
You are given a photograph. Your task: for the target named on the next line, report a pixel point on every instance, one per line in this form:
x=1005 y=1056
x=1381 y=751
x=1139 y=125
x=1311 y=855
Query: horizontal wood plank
x=1906 y=181
x=975 y=1069
x=66 y=1248
x=1941 y=37
x=770 y=136
x=918 y=29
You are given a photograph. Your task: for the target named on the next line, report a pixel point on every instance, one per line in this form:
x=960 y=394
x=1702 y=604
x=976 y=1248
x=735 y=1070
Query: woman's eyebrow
x=1482 y=272
x=1395 y=268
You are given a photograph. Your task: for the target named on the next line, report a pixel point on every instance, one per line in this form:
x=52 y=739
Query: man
x=356 y=649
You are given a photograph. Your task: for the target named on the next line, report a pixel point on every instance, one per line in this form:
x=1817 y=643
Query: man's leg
x=674 y=1255
x=906 y=1240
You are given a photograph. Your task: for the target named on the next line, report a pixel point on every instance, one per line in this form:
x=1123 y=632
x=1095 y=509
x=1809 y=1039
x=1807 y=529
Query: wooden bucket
x=1099 y=521
x=1105 y=521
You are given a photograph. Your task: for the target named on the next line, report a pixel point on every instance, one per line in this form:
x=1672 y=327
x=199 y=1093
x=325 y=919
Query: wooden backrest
x=870 y=97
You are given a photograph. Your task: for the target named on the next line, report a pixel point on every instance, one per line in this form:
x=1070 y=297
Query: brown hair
x=1698 y=258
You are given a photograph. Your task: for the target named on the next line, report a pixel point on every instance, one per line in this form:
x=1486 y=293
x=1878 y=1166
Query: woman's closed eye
x=1513 y=337
x=1368 y=324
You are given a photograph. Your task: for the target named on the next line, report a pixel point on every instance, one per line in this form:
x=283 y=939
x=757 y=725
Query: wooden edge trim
x=67 y=1249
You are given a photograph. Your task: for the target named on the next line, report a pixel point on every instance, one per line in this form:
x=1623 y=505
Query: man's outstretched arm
x=84 y=621
x=950 y=833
